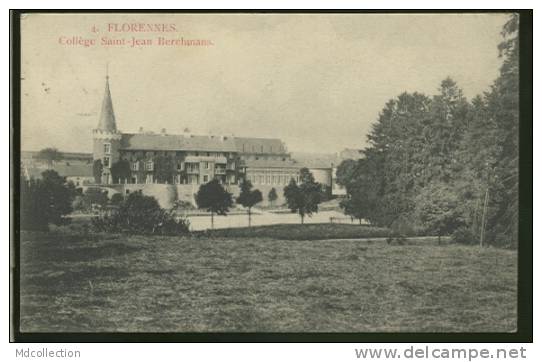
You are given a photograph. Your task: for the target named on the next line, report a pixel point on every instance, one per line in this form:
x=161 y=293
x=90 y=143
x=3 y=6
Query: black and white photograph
x=269 y=172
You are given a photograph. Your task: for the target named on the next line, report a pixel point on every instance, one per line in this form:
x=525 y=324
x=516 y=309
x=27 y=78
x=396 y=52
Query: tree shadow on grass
x=81 y=278
x=74 y=253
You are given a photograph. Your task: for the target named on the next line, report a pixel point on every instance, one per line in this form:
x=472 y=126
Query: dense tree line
x=444 y=164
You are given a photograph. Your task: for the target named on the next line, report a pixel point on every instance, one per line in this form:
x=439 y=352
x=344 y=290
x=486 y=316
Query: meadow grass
x=205 y=283
x=299 y=232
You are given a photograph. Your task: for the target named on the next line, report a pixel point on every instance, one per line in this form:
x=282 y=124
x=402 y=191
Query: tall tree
x=438 y=207
x=364 y=191
x=346 y=172
x=432 y=161
x=214 y=198
x=393 y=158
x=492 y=145
x=248 y=197
x=447 y=122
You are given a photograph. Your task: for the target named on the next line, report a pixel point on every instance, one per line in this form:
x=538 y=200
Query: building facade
x=187 y=158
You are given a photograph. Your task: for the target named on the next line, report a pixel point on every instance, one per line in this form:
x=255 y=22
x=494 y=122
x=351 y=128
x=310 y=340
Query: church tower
x=106 y=138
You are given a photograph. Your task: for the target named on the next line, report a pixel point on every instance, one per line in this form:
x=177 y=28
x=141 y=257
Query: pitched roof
x=27 y=155
x=64 y=170
x=325 y=160
x=350 y=154
x=316 y=160
x=260 y=145
x=107 y=115
x=74 y=170
x=165 y=142
x=272 y=164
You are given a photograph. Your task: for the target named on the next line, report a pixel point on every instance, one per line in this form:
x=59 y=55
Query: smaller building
x=30 y=158
x=79 y=173
x=324 y=166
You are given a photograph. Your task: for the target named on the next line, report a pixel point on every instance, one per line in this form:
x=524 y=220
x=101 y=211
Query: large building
x=190 y=159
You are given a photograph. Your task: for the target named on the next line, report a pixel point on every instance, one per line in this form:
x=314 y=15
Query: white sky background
x=315 y=81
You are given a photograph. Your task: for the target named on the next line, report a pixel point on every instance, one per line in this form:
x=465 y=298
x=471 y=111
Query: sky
x=315 y=81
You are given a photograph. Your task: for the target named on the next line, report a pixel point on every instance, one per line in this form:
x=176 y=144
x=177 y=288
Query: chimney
x=163 y=131
x=140 y=129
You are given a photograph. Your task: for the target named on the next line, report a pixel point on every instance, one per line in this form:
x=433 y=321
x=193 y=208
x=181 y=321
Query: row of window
x=190 y=167
x=134 y=166
x=191 y=179
x=265 y=158
x=259 y=179
x=149 y=166
x=107 y=151
x=254 y=148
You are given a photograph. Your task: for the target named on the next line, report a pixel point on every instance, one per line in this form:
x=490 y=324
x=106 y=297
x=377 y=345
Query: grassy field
x=213 y=283
x=299 y=232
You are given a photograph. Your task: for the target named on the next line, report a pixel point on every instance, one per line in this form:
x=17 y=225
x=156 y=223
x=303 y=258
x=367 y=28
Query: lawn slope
x=223 y=284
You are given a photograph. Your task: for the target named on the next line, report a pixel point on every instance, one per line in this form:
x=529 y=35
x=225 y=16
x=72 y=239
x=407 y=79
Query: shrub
x=140 y=214
x=272 y=196
x=94 y=197
x=464 y=235
x=181 y=205
x=78 y=203
x=45 y=201
x=117 y=199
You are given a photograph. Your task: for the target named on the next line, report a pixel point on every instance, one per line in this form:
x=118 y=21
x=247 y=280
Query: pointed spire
x=107 y=116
